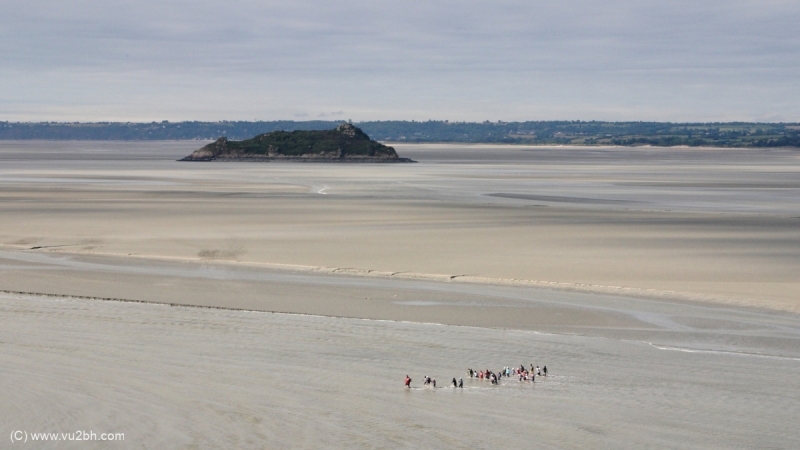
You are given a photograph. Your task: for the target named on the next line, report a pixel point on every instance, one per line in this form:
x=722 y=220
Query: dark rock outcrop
x=345 y=143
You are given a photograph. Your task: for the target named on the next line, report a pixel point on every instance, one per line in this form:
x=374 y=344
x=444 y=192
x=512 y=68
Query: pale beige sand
x=233 y=286
x=704 y=224
x=178 y=377
x=632 y=258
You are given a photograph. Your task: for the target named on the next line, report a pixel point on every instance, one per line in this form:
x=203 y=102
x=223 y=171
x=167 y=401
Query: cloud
x=459 y=60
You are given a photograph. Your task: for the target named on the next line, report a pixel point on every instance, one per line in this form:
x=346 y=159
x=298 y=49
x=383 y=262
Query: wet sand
x=181 y=377
x=707 y=224
x=690 y=324
x=660 y=284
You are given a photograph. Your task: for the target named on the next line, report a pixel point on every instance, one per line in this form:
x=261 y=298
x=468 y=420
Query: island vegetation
x=345 y=143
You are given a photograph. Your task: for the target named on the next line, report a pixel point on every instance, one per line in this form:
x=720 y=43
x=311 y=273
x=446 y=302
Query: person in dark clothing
x=544 y=370
x=461 y=383
x=455 y=384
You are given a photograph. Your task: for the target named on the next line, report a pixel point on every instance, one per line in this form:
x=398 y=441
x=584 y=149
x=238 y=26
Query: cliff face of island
x=345 y=143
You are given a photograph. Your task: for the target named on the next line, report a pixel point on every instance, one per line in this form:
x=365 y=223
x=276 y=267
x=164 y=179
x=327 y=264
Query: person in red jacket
x=408 y=382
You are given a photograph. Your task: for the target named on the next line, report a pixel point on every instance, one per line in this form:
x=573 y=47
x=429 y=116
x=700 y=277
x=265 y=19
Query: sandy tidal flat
x=183 y=377
x=220 y=305
x=707 y=224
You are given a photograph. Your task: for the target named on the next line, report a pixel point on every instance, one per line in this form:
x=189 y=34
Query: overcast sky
x=676 y=60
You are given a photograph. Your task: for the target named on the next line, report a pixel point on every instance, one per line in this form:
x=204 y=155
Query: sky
x=143 y=60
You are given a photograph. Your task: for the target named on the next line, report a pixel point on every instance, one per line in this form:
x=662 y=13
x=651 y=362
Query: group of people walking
x=521 y=373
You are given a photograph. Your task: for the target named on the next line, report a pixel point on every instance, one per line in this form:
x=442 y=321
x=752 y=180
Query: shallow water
x=190 y=377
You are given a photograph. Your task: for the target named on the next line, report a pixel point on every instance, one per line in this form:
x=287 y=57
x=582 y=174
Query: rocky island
x=345 y=143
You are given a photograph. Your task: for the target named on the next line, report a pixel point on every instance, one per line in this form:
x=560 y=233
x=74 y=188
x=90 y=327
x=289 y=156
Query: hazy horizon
x=343 y=120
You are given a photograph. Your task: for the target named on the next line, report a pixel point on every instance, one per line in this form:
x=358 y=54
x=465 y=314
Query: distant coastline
x=573 y=133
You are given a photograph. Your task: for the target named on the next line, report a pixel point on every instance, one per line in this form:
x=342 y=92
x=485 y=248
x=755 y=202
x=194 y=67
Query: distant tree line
x=728 y=134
